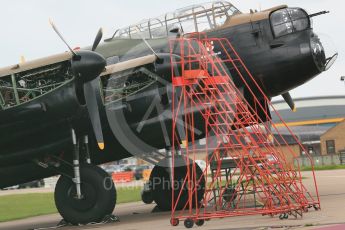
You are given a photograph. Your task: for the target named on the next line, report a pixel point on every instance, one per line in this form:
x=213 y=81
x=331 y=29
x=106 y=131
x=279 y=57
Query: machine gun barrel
x=318 y=13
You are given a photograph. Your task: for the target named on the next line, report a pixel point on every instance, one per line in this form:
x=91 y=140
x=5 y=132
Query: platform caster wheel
x=188 y=223
x=98 y=196
x=316 y=208
x=200 y=222
x=283 y=216
x=174 y=221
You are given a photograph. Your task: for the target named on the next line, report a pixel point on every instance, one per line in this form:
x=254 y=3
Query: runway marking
x=333 y=194
x=336 y=227
x=330 y=176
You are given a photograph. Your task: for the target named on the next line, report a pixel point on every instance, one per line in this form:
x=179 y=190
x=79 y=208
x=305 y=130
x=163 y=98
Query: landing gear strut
x=87 y=197
x=76 y=168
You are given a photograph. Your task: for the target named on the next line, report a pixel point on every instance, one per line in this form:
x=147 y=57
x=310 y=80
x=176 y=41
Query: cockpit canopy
x=195 y=18
x=289 y=20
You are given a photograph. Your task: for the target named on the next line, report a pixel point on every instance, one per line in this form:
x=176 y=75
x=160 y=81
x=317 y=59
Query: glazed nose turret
x=323 y=51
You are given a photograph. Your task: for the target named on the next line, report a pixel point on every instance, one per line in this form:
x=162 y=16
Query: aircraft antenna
x=147 y=44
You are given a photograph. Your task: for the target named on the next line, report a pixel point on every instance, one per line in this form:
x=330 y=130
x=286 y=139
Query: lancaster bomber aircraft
x=66 y=114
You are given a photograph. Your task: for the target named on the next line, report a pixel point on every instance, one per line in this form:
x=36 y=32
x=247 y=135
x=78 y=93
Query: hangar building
x=319 y=122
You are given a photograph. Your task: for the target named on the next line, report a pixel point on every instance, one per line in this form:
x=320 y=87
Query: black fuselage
x=29 y=136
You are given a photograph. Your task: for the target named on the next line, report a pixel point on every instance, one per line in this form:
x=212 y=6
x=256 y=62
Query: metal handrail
x=222 y=5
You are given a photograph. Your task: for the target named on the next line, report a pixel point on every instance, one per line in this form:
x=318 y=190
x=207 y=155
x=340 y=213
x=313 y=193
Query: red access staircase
x=246 y=171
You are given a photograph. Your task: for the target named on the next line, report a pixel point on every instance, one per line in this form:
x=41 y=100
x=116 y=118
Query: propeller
x=61 y=37
x=98 y=38
x=93 y=109
x=87 y=66
x=91 y=99
x=288 y=99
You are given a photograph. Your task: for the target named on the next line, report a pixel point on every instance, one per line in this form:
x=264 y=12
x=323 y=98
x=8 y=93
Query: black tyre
x=229 y=194
x=200 y=222
x=161 y=186
x=99 y=196
x=188 y=223
x=283 y=216
x=174 y=221
x=146 y=197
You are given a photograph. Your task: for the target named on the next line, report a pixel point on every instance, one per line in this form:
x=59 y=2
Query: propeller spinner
x=87 y=66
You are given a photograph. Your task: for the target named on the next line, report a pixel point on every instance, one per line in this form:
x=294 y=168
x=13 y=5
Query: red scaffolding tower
x=246 y=171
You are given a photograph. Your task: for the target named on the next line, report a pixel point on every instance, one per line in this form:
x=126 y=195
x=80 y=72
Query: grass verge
x=13 y=207
x=323 y=167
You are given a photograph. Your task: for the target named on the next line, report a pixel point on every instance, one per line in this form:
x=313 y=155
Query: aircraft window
x=280 y=17
x=204 y=22
x=156 y=28
x=299 y=19
x=283 y=29
x=296 y=13
x=188 y=26
x=221 y=15
x=220 y=20
x=301 y=24
x=233 y=10
x=203 y=18
x=158 y=33
x=289 y=20
x=204 y=25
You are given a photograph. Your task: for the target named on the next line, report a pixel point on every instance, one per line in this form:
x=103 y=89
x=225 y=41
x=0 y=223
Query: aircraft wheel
x=161 y=186
x=146 y=197
x=98 y=191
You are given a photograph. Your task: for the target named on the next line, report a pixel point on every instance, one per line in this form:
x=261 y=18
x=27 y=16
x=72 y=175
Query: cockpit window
x=195 y=18
x=289 y=20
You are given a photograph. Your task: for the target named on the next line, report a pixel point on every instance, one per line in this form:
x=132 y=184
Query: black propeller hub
x=87 y=65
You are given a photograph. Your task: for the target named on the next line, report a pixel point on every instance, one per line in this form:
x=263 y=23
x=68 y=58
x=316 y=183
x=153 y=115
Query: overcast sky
x=25 y=29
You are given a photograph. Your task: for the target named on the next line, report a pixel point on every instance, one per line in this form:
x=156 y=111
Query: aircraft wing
x=136 y=62
x=35 y=64
x=58 y=58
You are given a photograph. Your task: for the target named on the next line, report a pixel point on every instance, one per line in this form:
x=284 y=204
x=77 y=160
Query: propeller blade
x=288 y=99
x=97 y=39
x=61 y=37
x=93 y=109
x=87 y=65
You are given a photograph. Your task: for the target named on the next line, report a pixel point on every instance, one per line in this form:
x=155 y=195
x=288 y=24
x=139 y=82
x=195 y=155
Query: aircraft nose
x=323 y=50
